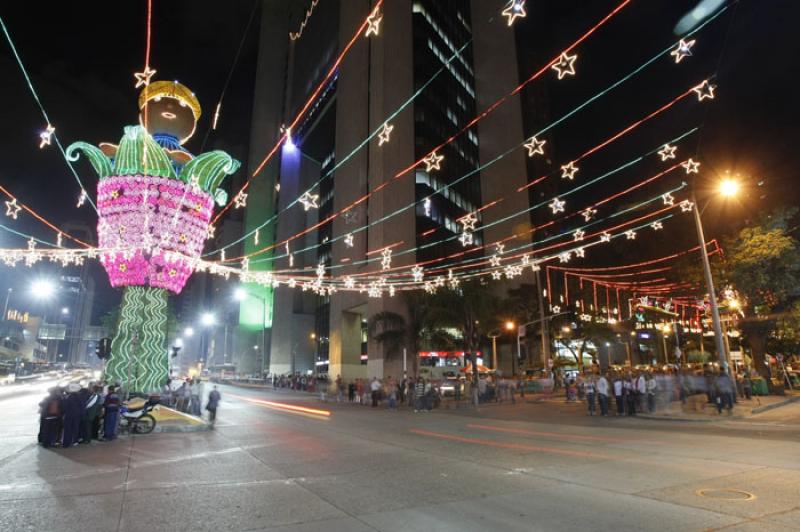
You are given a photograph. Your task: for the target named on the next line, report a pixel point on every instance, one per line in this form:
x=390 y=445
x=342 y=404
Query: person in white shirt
x=651 y=393
x=641 y=392
x=602 y=394
x=618 y=396
x=375 y=388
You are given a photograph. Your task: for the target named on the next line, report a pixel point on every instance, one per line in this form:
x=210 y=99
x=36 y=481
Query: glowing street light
x=43 y=289
x=510 y=325
x=208 y=319
x=65 y=311
x=240 y=294
x=729 y=187
x=188 y=332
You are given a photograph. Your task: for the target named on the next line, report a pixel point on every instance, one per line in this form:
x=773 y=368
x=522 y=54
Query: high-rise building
x=459 y=56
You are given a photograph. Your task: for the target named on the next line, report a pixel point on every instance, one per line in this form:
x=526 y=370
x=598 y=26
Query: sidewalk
x=706 y=412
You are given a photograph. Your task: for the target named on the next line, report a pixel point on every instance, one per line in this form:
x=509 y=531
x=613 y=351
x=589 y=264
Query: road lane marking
x=514 y=446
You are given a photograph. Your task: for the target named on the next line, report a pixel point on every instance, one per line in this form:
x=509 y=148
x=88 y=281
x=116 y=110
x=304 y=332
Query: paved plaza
x=527 y=467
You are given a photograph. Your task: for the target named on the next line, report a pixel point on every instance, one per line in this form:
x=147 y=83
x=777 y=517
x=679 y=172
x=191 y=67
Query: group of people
x=75 y=414
x=187 y=396
x=421 y=394
x=641 y=392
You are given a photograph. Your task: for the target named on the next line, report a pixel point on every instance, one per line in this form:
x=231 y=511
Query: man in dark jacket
x=91 y=413
x=111 y=409
x=50 y=418
x=73 y=407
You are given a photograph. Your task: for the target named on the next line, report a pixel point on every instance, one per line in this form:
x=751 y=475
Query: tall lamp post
x=728 y=188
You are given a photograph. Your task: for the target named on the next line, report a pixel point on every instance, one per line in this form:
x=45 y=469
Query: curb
x=164 y=429
x=767 y=408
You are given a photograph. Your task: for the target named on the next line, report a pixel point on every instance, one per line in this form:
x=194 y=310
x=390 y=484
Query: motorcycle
x=138 y=420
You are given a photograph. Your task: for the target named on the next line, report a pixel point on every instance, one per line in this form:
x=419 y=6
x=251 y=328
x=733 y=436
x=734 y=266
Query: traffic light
x=175 y=350
x=103 y=349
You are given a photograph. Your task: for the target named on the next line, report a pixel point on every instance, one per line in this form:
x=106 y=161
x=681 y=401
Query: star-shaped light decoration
x=12 y=209
x=580 y=252
x=497 y=275
x=500 y=248
x=494 y=261
x=374 y=22
x=686 y=206
x=535 y=146
x=705 y=91
x=564 y=257
x=386 y=259
x=429 y=287
x=349 y=283
x=469 y=221
x=439 y=281
x=515 y=10
x=59 y=240
x=526 y=259
x=578 y=235
x=82 y=198
x=556 y=309
x=668 y=199
x=589 y=213
x=657 y=226
x=210 y=232
x=565 y=65
x=240 y=200
x=535 y=267
x=667 y=152
x=309 y=201
x=466 y=239
x=384 y=134
x=256 y=236
x=433 y=162
x=683 y=49
x=427 y=206
x=691 y=166
x=557 y=205
x=569 y=170
x=348 y=240
x=630 y=234
x=46 y=136
x=418 y=273
x=143 y=78
x=321 y=269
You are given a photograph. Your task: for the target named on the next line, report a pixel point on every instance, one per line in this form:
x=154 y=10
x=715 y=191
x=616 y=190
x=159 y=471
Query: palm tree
x=421 y=327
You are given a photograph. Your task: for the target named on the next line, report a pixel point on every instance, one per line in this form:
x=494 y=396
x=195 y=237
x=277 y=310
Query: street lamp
x=728 y=188
x=65 y=311
x=188 y=332
x=208 y=319
x=43 y=289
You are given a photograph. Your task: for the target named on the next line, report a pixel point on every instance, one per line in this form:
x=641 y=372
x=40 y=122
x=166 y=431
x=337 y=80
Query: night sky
x=81 y=57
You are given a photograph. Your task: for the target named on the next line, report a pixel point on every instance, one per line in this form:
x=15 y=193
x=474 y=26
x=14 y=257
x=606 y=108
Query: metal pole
x=263 y=336
x=5 y=308
x=519 y=344
x=718 y=338
x=494 y=353
x=545 y=325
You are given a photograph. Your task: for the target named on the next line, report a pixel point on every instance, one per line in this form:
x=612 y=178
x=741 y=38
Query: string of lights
x=13 y=206
x=49 y=133
x=301 y=113
x=363 y=198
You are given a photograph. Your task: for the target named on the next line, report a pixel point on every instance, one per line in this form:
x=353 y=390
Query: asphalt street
x=527 y=467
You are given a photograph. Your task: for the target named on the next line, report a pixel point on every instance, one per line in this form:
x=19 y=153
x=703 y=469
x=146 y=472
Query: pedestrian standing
x=91 y=412
x=212 y=405
x=111 y=411
x=351 y=391
x=651 y=387
x=419 y=394
x=641 y=392
x=589 y=392
x=73 y=407
x=392 y=385
x=629 y=389
x=197 y=397
x=375 y=389
x=339 y=389
x=618 y=396
x=602 y=394
x=50 y=418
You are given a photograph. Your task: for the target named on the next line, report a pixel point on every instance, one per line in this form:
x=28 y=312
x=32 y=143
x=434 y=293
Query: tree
x=473 y=309
x=423 y=327
x=589 y=332
x=762 y=263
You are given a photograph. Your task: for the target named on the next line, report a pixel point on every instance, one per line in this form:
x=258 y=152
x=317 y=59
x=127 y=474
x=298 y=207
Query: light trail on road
x=284 y=407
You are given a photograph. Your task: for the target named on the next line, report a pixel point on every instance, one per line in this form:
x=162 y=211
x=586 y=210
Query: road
x=530 y=467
